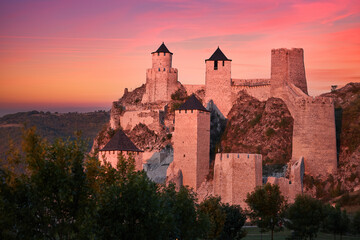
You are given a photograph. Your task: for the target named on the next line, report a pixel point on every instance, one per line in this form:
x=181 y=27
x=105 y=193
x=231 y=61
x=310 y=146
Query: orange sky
x=77 y=54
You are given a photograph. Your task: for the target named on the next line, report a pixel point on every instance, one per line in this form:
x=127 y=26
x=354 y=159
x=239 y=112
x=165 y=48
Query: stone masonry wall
x=235 y=175
x=203 y=147
x=314 y=136
x=218 y=85
x=287 y=65
x=112 y=158
x=150 y=118
x=262 y=93
x=191 y=147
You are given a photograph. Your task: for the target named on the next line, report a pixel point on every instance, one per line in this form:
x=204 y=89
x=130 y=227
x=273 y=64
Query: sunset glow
x=84 y=53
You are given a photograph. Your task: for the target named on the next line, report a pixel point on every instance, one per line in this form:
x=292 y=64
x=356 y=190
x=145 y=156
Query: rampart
x=236 y=175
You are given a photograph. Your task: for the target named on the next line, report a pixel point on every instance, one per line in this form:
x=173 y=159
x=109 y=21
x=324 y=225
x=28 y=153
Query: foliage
x=179 y=95
x=335 y=220
x=305 y=216
x=234 y=221
x=211 y=206
x=269 y=132
x=52 y=199
x=65 y=194
x=355 y=224
x=256 y=120
x=186 y=221
x=267 y=207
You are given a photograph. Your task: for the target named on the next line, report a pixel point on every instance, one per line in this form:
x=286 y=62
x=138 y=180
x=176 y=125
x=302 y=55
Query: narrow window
x=185 y=111
x=159 y=69
x=184 y=155
x=158 y=54
x=223 y=63
x=215 y=65
x=191 y=111
x=164 y=69
x=164 y=54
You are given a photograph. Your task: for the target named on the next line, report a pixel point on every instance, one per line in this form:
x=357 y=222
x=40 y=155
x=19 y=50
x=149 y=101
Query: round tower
x=162 y=58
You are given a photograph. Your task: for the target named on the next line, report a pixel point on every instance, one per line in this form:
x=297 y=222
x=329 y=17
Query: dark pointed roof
x=218 y=55
x=120 y=142
x=162 y=49
x=193 y=104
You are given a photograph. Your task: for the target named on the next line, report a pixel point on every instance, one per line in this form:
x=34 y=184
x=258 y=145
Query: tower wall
x=314 y=136
x=191 y=146
x=161 y=60
x=236 y=175
x=218 y=85
x=287 y=65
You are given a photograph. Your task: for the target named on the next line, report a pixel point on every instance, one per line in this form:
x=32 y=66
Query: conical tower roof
x=218 y=55
x=120 y=142
x=193 y=104
x=162 y=49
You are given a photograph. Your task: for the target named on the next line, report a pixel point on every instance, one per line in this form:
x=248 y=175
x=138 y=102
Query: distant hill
x=51 y=126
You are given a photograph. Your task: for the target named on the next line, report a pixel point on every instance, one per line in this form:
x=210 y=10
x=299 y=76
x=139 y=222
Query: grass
x=254 y=234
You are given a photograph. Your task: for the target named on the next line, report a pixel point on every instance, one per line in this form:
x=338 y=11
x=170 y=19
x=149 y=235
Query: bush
x=269 y=132
x=256 y=120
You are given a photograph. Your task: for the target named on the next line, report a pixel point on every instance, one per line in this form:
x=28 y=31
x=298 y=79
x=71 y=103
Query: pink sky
x=84 y=53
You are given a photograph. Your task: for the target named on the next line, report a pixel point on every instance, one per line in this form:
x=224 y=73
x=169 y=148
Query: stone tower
x=161 y=79
x=191 y=143
x=287 y=65
x=218 y=81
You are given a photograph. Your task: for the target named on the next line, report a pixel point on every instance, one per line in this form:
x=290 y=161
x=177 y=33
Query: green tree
x=335 y=220
x=234 y=221
x=305 y=216
x=355 y=224
x=267 y=207
x=186 y=221
x=52 y=199
x=211 y=206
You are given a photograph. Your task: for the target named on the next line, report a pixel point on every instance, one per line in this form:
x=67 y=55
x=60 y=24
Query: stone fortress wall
x=191 y=146
x=218 y=84
x=314 y=136
x=161 y=79
x=235 y=175
x=113 y=156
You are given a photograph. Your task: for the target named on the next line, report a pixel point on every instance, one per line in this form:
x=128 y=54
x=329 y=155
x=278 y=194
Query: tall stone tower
x=161 y=79
x=218 y=81
x=287 y=65
x=191 y=143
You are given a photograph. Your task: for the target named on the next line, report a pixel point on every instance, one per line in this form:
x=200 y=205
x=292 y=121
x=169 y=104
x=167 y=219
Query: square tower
x=192 y=142
x=218 y=81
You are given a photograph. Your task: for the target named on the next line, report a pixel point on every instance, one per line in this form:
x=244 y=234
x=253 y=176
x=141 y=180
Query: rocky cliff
x=259 y=127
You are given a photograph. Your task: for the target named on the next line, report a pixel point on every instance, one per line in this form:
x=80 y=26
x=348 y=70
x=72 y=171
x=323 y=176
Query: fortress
x=235 y=174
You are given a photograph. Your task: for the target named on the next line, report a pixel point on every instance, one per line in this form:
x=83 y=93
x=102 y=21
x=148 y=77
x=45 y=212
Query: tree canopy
x=267 y=207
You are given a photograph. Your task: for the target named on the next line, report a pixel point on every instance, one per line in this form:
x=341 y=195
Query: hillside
x=259 y=127
x=50 y=126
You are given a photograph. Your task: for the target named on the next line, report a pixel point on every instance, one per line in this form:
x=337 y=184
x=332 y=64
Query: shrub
x=269 y=132
x=256 y=120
